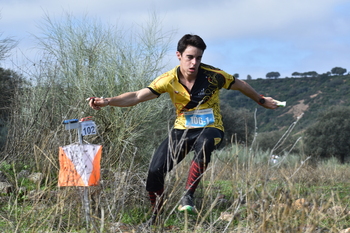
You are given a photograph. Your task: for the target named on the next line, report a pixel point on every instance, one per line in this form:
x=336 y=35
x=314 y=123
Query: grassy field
x=242 y=191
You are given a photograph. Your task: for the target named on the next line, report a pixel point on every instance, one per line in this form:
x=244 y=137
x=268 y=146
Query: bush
x=238 y=123
x=330 y=135
x=11 y=84
x=83 y=58
x=275 y=141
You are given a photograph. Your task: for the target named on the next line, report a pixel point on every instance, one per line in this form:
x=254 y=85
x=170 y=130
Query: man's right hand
x=98 y=103
x=124 y=100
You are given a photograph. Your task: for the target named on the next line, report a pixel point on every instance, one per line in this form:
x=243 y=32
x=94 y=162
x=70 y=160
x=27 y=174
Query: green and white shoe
x=187 y=205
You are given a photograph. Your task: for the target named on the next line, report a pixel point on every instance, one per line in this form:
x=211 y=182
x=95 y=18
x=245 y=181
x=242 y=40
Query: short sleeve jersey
x=203 y=95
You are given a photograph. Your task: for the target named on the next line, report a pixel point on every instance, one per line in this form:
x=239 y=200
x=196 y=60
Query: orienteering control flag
x=79 y=165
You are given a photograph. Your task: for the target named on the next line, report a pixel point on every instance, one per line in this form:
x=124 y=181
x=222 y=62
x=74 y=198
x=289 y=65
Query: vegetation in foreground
x=241 y=192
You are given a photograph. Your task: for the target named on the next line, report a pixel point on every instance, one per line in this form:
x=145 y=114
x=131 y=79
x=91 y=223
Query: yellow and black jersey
x=200 y=107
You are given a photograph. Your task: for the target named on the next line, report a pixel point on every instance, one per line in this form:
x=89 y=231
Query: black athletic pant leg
x=173 y=150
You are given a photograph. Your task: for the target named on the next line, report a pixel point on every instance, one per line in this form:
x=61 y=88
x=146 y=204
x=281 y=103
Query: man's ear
x=178 y=54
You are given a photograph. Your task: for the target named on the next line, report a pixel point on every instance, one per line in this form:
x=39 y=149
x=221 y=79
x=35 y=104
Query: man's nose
x=194 y=61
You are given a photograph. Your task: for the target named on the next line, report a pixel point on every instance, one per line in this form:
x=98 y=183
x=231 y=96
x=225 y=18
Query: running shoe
x=187 y=204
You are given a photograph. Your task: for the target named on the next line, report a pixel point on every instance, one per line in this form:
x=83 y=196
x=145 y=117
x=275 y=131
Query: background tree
x=267 y=141
x=338 y=71
x=296 y=74
x=311 y=74
x=249 y=77
x=10 y=85
x=238 y=123
x=273 y=75
x=330 y=135
x=325 y=75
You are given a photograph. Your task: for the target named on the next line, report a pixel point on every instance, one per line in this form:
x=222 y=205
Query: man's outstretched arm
x=124 y=100
x=249 y=91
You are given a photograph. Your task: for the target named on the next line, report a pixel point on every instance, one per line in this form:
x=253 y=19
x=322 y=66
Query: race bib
x=199 y=118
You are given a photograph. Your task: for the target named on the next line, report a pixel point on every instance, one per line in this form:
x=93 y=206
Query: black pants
x=174 y=149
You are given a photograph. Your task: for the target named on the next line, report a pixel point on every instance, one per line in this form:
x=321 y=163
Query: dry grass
x=237 y=194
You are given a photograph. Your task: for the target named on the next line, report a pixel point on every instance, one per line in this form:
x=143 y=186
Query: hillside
x=309 y=96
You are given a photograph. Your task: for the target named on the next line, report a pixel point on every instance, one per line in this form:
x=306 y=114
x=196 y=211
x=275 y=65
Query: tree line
x=276 y=75
x=334 y=71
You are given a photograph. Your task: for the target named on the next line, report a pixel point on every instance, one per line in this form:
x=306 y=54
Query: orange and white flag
x=79 y=165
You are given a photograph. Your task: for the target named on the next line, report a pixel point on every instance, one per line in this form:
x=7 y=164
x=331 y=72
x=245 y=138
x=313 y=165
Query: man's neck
x=186 y=77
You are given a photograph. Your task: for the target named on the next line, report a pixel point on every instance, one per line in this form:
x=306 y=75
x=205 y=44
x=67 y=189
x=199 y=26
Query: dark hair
x=192 y=40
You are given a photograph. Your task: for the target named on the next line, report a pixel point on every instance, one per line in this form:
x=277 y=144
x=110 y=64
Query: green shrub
x=329 y=136
x=83 y=58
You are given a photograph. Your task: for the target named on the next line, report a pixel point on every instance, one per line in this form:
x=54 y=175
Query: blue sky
x=243 y=36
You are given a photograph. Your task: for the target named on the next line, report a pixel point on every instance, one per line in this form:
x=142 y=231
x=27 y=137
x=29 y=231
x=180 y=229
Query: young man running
x=194 y=90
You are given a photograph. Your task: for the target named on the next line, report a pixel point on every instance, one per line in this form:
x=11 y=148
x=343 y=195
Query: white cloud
x=251 y=36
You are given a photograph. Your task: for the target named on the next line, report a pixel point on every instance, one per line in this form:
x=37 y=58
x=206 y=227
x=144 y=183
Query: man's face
x=190 y=60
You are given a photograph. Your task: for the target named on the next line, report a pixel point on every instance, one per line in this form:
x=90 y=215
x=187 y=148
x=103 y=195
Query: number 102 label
x=88 y=128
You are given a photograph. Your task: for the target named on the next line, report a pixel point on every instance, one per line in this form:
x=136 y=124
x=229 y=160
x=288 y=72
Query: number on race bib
x=199 y=118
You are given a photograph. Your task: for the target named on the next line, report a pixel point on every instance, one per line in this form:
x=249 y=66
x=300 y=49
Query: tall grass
x=82 y=58
x=237 y=194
